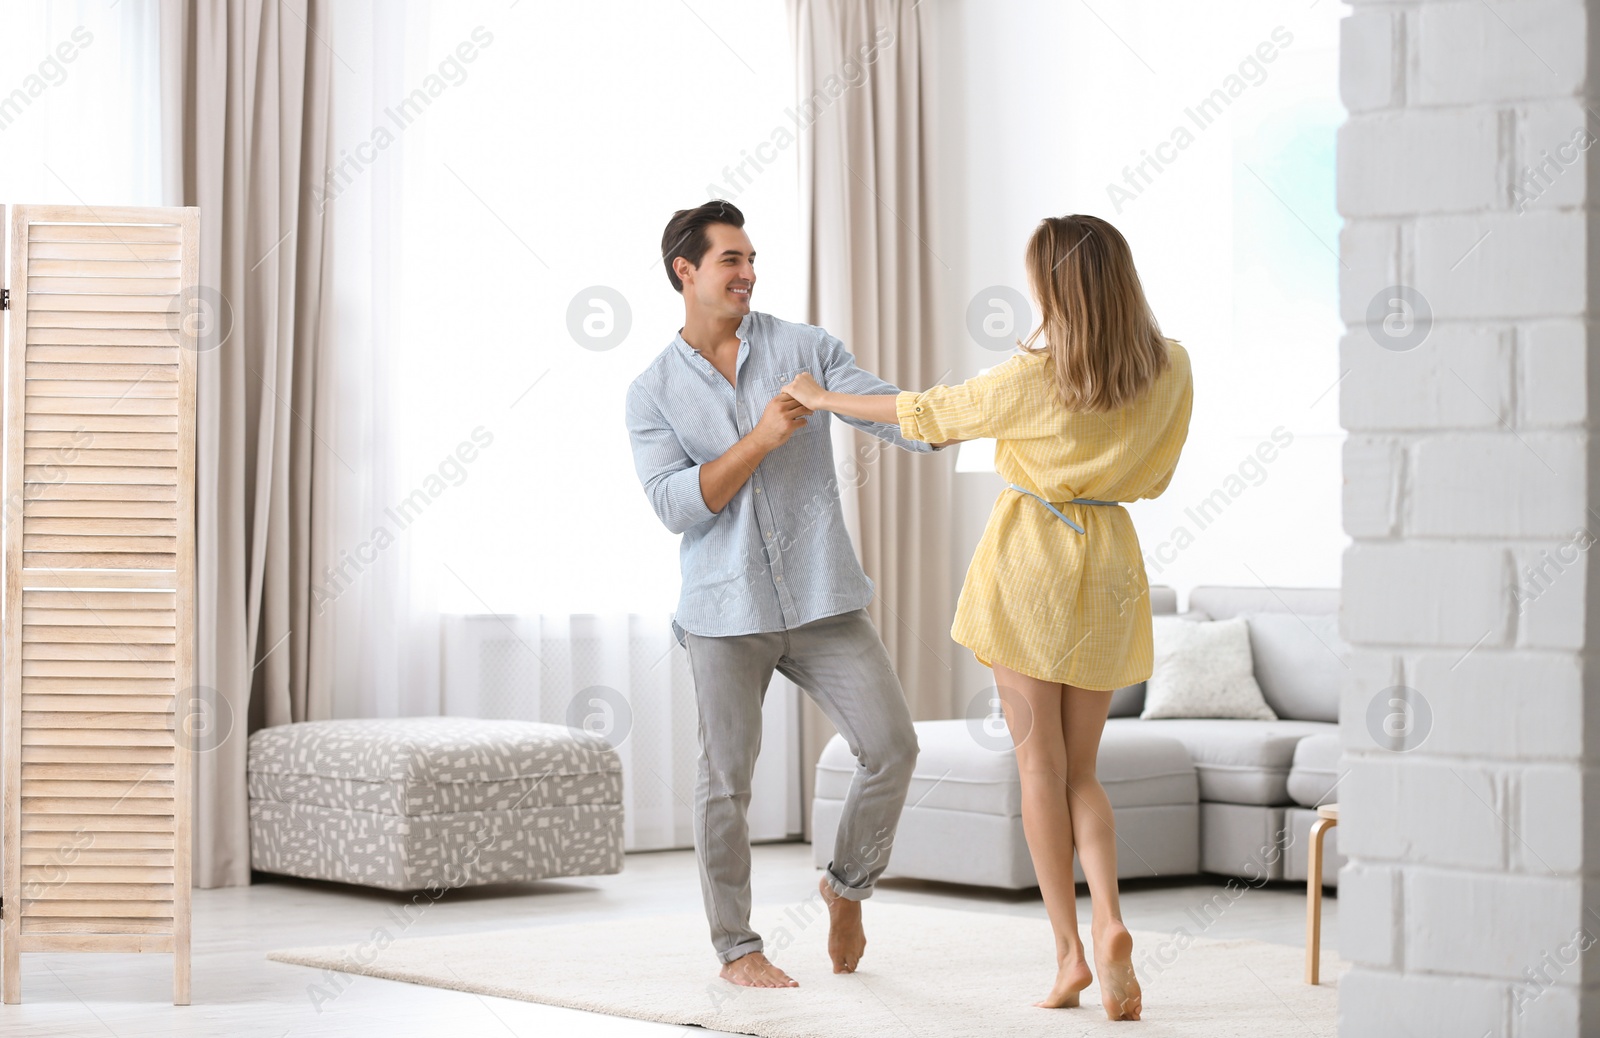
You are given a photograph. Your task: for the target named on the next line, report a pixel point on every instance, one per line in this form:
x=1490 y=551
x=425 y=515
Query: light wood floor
x=238 y=992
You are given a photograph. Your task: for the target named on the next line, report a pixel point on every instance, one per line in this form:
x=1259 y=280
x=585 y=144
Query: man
x=770 y=579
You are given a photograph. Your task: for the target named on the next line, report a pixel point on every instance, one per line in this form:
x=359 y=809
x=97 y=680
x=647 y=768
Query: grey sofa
x=1231 y=797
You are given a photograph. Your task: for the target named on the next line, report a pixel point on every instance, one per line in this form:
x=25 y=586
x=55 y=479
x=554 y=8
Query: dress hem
x=1041 y=677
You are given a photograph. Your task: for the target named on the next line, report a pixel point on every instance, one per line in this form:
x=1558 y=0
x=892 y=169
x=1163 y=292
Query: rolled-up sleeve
x=670 y=477
x=973 y=410
x=946 y=413
x=842 y=375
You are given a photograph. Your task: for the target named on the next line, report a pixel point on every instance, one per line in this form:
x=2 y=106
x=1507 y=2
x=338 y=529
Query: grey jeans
x=841 y=663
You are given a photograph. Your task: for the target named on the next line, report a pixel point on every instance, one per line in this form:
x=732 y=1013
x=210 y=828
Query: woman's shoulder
x=1007 y=369
x=1178 y=358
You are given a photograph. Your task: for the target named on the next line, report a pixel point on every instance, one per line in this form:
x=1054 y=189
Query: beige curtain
x=865 y=199
x=246 y=117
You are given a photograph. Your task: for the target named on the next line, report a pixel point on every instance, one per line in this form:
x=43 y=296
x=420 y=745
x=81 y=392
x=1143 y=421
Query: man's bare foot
x=756 y=971
x=1113 y=958
x=1072 y=976
x=847 y=941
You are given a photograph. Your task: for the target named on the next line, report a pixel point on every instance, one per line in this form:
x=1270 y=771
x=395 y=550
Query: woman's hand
x=804 y=388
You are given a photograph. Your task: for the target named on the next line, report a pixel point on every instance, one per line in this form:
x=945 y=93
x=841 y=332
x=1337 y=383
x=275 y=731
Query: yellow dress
x=1041 y=598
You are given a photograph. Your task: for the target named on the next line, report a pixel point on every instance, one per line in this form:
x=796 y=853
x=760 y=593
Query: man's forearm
x=721 y=478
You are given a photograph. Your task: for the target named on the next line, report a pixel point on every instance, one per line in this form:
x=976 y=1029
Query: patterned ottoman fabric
x=410 y=803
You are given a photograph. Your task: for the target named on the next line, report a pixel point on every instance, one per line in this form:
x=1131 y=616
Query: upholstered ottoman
x=428 y=802
x=962 y=822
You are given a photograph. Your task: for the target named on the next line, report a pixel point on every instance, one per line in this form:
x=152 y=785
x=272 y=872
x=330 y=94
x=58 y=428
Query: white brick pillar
x=1465 y=179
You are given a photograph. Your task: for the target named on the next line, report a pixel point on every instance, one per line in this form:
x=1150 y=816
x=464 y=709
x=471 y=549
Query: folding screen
x=98 y=604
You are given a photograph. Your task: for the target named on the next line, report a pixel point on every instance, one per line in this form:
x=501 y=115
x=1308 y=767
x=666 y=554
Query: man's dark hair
x=686 y=234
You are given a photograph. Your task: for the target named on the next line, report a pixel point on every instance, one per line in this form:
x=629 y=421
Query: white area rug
x=927 y=973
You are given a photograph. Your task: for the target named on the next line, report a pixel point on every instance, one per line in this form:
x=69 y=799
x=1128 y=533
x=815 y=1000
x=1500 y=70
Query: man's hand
x=804 y=388
x=783 y=415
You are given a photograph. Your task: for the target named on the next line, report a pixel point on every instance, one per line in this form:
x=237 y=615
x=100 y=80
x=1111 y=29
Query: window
x=540 y=154
x=80 y=102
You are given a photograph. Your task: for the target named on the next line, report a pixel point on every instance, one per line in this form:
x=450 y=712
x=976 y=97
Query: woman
x=1056 y=599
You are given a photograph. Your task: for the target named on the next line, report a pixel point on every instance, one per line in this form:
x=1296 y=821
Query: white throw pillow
x=1203 y=669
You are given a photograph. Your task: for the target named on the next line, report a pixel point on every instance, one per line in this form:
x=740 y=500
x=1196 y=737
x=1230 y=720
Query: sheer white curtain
x=80 y=104
x=502 y=177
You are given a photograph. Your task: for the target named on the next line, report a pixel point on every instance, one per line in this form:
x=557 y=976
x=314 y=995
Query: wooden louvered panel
x=108 y=907
x=132 y=423
x=81 y=772
x=124 y=754
x=71 y=613
x=99 y=548
x=97 y=668
x=100 y=405
x=152 y=304
x=107 y=267
x=82 y=439
x=81 y=717
x=69 y=865
x=100 y=935
x=101 y=287
x=131 y=386
x=102 y=492
x=115 y=252
x=98 y=651
x=130 y=843
x=76 y=226
x=108 y=371
x=142 y=785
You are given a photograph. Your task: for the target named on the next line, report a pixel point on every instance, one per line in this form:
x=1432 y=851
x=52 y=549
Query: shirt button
x=769 y=533
x=918 y=409
x=758 y=490
x=780 y=580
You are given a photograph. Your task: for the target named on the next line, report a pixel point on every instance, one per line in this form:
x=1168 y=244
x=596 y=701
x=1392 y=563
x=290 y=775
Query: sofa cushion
x=1238 y=762
x=1128 y=701
x=1298 y=664
x=1203 y=670
x=961 y=769
x=1315 y=771
x=1221 y=602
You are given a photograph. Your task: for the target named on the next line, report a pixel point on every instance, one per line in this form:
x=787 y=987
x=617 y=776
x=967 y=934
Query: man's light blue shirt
x=778 y=554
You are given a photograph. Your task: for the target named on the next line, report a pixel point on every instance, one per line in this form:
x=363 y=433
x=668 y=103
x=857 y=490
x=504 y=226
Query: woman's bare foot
x=1072 y=976
x=756 y=971
x=1113 y=958
x=847 y=941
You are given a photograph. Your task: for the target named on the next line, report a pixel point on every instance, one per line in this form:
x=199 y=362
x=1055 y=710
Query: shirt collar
x=705 y=367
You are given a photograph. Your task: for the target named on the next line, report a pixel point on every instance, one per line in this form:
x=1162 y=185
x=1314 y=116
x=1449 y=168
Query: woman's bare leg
x=1094 y=832
x=1034 y=713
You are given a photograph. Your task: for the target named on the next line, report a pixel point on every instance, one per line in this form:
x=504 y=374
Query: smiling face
x=726 y=277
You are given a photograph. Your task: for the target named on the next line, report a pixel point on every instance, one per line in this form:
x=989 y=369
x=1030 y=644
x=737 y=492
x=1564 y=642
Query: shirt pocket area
x=766 y=387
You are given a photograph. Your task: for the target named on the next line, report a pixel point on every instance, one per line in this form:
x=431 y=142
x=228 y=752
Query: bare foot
x=1113 y=958
x=756 y=971
x=1072 y=976
x=847 y=941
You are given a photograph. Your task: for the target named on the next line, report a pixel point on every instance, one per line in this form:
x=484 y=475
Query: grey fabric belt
x=1057 y=511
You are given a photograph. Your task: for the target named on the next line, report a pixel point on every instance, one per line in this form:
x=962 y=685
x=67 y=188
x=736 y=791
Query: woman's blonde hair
x=1105 y=346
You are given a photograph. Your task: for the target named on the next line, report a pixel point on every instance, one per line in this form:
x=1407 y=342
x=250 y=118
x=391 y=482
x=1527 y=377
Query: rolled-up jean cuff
x=740 y=950
x=848 y=892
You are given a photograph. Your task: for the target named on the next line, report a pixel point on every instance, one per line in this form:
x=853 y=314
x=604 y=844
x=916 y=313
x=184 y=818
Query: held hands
x=805 y=389
x=780 y=420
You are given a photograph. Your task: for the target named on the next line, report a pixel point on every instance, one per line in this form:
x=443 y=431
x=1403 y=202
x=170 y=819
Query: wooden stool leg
x=1314 y=900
